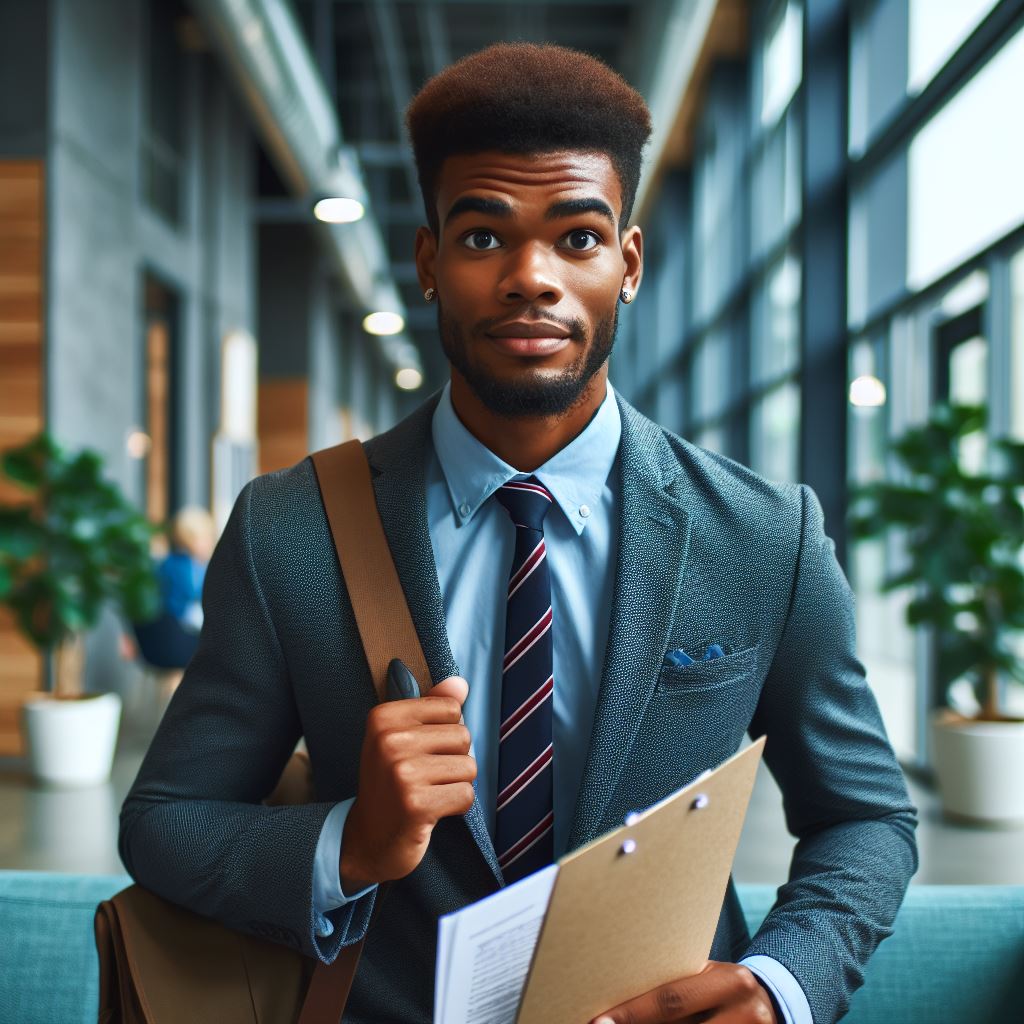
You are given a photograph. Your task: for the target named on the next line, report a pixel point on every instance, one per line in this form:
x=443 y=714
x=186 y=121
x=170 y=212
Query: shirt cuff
x=327 y=892
x=787 y=995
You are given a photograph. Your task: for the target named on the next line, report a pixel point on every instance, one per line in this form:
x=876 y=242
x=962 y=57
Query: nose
x=530 y=277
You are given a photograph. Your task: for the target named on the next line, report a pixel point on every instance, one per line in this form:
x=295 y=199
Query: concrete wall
x=104 y=239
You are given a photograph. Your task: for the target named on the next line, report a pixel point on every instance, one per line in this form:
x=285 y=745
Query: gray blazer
x=709 y=553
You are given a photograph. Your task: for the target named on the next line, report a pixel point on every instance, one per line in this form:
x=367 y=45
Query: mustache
x=576 y=328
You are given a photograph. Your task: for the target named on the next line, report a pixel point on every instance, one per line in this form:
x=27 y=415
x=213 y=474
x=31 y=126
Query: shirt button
x=584 y=511
x=464 y=510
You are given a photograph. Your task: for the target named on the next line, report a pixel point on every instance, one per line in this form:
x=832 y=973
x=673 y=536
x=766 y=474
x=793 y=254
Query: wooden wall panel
x=283 y=422
x=22 y=231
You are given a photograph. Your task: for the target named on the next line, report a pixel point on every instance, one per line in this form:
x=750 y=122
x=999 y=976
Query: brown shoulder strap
x=386 y=630
x=382 y=614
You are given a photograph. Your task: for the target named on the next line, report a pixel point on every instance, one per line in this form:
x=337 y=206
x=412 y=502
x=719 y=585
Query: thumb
x=453 y=686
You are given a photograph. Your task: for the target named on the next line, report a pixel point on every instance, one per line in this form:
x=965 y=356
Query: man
x=554 y=545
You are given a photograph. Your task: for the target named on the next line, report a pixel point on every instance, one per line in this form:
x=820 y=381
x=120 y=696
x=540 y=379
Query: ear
x=633 y=258
x=426 y=258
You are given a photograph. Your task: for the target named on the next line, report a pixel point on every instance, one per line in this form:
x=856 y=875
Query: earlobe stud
x=627 y=295
x=429 y=294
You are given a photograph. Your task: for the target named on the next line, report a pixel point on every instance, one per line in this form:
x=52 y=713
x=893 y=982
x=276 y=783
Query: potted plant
x=964 y=535
x=72 y=547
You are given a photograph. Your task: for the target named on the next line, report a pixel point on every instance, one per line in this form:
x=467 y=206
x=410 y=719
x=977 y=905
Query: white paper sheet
x=484 y=952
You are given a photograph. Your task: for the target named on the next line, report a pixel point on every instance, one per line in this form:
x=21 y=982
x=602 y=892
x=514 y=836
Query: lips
x=528 y=329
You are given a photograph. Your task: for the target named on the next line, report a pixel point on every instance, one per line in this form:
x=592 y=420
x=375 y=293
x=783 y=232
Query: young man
x=553 y=545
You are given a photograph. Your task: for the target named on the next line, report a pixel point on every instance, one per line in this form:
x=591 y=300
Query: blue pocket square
x=681 y=659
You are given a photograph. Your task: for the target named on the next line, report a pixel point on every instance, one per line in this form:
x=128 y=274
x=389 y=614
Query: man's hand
x=414 y=770
x=722 y=993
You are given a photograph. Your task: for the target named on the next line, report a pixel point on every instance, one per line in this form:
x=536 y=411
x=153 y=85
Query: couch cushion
x=956 y=954
x=48 y=967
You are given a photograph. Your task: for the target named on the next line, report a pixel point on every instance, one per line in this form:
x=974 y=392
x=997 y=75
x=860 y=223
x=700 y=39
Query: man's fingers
x=453 y=686
x=718 y=990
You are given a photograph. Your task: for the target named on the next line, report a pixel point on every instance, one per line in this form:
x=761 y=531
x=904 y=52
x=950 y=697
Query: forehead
x=527 y=179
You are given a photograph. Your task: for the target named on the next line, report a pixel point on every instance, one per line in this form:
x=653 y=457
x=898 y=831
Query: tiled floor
x=76 y=830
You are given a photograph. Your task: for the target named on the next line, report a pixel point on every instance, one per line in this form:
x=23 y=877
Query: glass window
x=719 y=194
x=776 y=348
x=878 y=68
x=937 y=28
x=711 y=377
x=781 y=60
x=868 y=396
x=877 y=265
x=965 y=170
x=775 y=433
x=775 y=191
x=1017 y=347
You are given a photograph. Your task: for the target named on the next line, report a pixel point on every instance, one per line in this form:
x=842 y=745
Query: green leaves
x=964 y=537
x=73 y=545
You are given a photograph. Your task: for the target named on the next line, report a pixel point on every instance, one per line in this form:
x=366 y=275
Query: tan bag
x=161 y=963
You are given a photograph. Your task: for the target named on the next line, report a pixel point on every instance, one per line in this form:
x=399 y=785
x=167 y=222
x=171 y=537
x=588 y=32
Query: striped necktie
x=525 y=816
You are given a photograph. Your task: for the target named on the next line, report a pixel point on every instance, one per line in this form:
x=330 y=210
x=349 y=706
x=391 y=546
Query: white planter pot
x=980 y=768
x=71 y=742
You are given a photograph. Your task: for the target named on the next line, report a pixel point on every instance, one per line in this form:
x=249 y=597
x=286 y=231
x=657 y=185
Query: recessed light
x=338 y=210
x=867 y=392
x=408 y=378
x=383 y=323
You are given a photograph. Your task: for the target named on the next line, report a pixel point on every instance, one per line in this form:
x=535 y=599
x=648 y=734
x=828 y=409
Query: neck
x=526 y=442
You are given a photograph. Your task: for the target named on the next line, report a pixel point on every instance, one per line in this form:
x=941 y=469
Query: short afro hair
x=525 y=98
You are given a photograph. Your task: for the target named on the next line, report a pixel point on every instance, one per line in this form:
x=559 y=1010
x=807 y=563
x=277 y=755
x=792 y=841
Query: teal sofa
x=956 y=957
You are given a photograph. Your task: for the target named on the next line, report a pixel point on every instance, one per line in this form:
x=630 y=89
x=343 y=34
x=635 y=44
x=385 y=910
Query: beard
x=550 y=393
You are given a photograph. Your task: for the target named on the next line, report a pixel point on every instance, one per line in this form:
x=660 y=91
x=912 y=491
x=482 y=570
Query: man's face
x=528 y=268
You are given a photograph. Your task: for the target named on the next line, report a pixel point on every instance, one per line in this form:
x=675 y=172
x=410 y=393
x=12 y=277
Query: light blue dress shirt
x=473 y=540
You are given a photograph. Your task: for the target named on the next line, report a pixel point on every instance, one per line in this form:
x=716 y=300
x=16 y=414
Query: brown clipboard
x=622 y=923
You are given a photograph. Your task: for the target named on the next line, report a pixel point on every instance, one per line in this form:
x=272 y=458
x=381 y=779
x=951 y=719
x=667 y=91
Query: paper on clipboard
x=600 y=926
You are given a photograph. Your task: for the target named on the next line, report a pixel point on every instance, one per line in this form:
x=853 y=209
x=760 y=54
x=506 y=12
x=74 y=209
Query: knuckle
x=390 y=743
x=746 y=981
x=669 y=1000
x=404 y=772
x=464 y=738
x=468 y=794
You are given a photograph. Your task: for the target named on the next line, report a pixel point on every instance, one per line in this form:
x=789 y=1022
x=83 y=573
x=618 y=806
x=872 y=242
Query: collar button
x=464 y=510
x=584 y=511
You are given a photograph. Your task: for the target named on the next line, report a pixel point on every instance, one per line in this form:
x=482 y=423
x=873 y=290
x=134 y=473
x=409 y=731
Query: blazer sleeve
x=193 y=828
x=844 y=795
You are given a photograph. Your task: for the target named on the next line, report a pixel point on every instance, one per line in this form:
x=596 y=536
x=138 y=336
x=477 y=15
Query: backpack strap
x=386 y=630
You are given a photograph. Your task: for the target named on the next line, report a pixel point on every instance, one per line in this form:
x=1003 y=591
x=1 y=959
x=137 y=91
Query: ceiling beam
x=387 y=36
x=435 y=35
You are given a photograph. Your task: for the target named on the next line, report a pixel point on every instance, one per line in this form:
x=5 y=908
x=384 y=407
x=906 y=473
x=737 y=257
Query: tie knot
x=527 y=502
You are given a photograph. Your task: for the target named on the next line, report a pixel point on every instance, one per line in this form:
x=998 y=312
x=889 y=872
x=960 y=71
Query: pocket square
x=681 y=659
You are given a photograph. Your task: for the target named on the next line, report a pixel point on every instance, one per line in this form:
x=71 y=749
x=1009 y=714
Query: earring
x=627 y=295
x=429 y=294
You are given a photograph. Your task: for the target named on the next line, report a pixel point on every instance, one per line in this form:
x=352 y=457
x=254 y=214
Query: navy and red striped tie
x=525 y=816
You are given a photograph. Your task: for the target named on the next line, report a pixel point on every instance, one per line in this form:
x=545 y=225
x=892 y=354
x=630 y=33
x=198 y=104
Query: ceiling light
x=338 y=210
x=383 y=323
x=408 y=378
x=867 y=391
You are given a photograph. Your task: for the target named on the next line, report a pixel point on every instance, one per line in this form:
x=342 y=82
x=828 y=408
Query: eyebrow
x=501 y=209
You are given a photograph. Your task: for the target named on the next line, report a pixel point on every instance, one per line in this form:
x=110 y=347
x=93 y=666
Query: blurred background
x=207 y=211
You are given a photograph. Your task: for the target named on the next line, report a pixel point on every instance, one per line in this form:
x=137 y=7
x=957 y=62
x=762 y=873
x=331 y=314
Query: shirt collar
x=575 y=476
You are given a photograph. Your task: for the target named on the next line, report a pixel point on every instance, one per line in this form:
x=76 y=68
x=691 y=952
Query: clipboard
x=638 y=907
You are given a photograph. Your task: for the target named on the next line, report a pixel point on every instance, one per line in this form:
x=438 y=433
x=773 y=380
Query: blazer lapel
x=398 y=460
x=654 y=532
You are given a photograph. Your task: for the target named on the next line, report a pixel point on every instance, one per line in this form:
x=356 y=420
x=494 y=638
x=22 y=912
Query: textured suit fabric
x=709 y=552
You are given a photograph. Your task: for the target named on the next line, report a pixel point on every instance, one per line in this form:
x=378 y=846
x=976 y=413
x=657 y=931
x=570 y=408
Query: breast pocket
x=706 y=675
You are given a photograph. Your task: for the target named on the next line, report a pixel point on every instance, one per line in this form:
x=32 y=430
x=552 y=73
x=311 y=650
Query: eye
x=480 y=241
x=577 y=240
